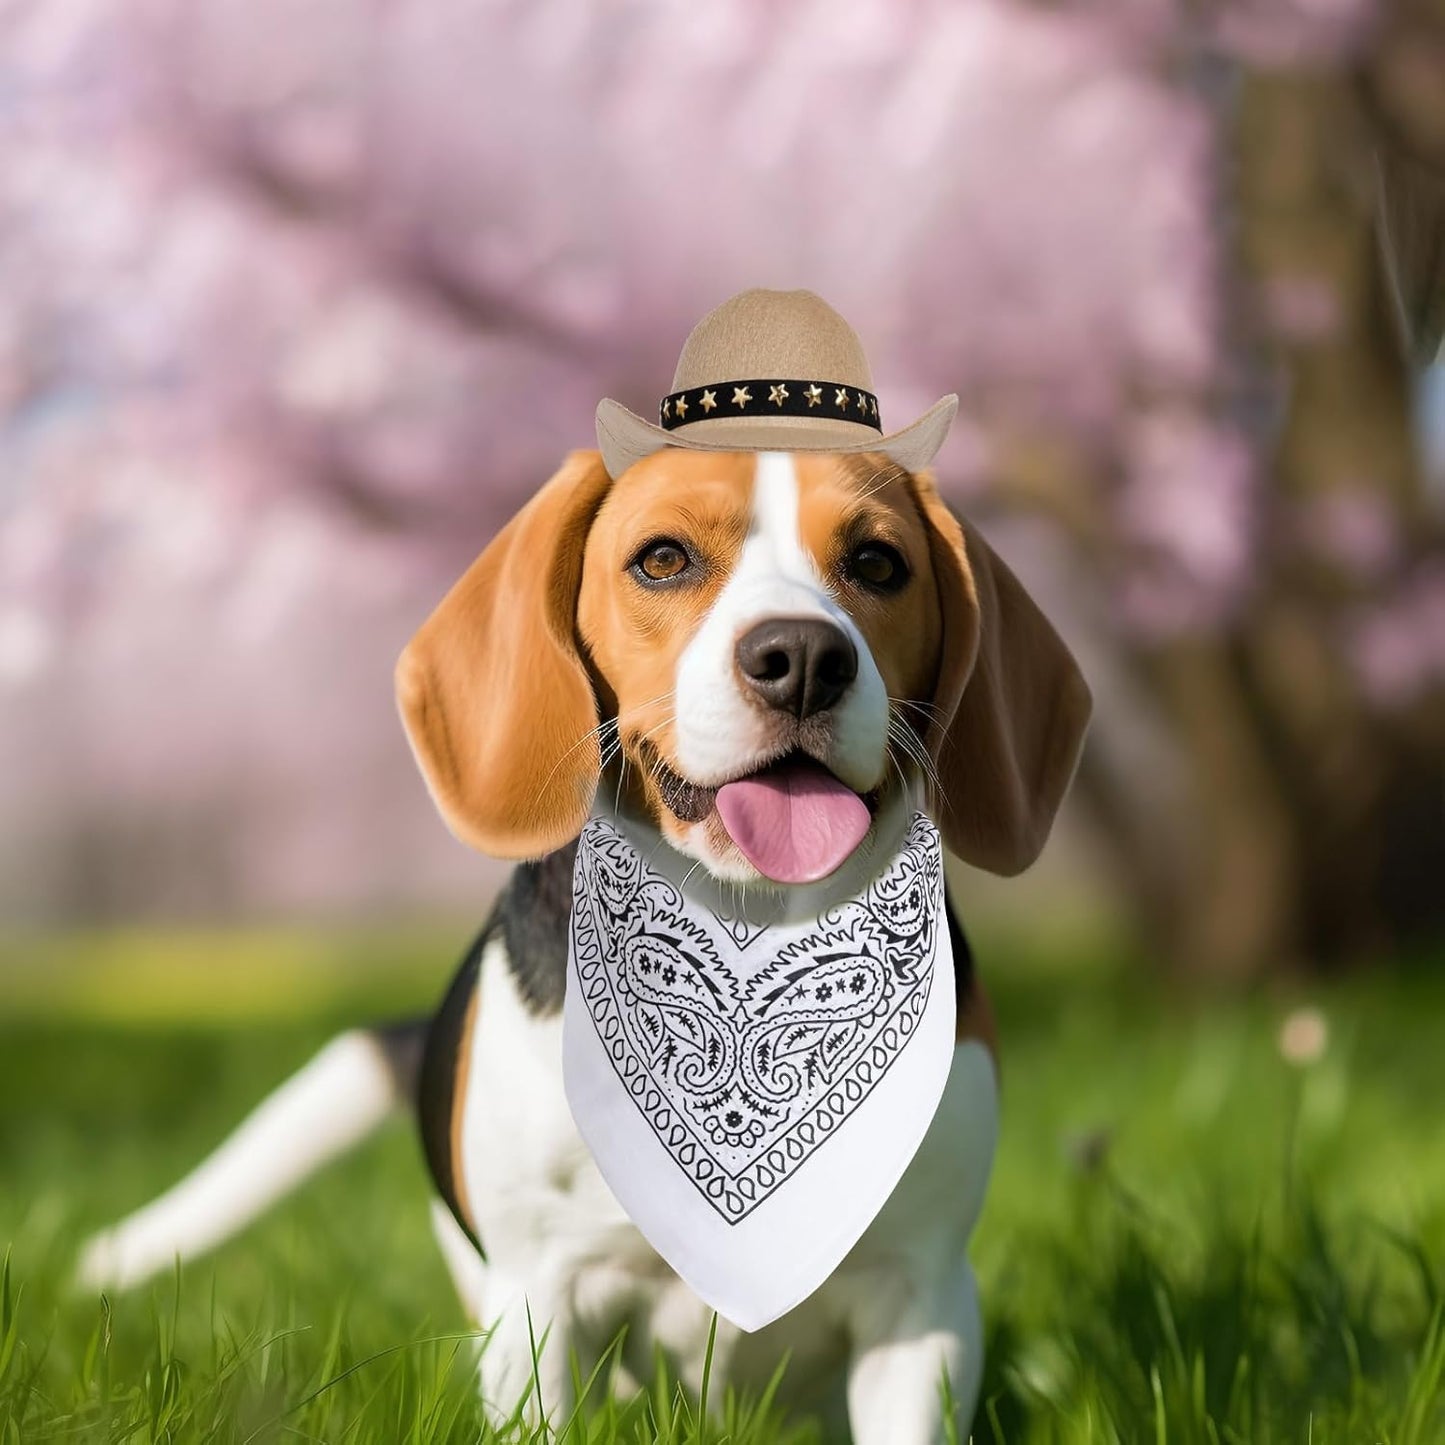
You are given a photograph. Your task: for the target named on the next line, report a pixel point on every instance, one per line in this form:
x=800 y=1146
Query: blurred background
x=299 y=302
x=301 y=299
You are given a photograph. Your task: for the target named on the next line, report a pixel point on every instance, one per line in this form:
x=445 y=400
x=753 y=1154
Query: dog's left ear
x=497 y=702
x=1010 y=705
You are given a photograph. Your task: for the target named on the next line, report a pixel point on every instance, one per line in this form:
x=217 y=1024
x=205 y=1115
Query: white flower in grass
x=1303 y=1036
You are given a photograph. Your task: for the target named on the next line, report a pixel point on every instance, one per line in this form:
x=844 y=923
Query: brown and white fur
x=558 y=678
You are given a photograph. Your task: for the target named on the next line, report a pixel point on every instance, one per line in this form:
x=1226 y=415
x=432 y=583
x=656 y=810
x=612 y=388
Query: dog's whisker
x=656 y=728
x=928 y=709
x=912 y=747
x=617 y=749
x=621 y=780
x=896 y=766
x=649 y=733
x=586 y=737
x=904 y=782
x=909 y=741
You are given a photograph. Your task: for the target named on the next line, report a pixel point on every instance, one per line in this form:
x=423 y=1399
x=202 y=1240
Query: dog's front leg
x=525 y=1358
x=899 y=1359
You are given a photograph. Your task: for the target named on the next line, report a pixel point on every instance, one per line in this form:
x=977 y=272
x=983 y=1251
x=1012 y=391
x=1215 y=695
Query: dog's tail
x=343 y=1095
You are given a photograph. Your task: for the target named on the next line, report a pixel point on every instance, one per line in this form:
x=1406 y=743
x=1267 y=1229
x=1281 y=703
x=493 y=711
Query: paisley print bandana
x=753 y=1091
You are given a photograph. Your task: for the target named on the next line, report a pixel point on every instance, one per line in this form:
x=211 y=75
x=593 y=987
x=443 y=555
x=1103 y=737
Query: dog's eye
x=878 y=566
x=661 y=561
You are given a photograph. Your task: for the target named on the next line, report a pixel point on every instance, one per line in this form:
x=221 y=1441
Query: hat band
x=770 y=397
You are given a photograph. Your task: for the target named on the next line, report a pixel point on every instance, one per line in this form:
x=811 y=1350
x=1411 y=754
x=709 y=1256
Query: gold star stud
x=778 y=394
x=841 y=399
x=814 y=394
x=681 y=407
x=707 y=401
x=741 y=396
x=666 y=408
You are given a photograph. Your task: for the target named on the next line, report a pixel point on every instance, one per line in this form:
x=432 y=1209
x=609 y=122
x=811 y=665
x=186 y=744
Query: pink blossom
x=299 y=303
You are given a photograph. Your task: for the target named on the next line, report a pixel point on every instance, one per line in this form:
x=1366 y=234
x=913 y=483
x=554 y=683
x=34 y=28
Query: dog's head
x=757 y=651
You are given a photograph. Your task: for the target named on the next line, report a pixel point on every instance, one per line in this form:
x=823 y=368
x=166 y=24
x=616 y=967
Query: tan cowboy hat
x=770 y=371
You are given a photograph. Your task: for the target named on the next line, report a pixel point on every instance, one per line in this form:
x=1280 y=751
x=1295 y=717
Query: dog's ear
x=497 y=703
x=1010 y=705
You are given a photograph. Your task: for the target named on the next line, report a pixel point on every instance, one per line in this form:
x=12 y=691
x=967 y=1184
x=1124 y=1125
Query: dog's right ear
x=496 y=700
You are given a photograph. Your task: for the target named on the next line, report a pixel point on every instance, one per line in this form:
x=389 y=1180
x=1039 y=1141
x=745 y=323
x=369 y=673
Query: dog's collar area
x=752 y=1093
x=770 y=396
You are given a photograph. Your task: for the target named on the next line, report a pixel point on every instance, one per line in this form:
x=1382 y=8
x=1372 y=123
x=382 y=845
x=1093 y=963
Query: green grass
x=1187 y=1238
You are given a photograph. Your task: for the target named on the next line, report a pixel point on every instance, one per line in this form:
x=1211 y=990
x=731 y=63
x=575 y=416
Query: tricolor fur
x=556 y=678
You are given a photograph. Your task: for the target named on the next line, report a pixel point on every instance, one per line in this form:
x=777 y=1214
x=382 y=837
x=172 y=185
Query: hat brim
x=623 y=437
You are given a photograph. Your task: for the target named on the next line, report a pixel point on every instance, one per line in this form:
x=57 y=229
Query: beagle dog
x=631 y=647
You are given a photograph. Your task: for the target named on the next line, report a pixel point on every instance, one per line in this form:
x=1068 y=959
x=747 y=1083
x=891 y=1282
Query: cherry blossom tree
x=300 y=302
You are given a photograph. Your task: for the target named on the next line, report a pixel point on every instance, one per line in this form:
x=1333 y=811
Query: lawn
x=1189 y=1236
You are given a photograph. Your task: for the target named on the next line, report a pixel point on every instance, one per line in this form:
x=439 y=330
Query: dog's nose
x=800 y=665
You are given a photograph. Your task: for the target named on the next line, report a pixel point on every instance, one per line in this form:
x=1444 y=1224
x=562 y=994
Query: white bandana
x=753 y=1091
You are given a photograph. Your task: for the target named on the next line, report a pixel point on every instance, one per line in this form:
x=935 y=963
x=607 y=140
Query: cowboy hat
x=770 y=371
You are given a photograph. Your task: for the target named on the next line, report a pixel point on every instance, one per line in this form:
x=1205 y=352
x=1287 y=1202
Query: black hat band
x=770 y=397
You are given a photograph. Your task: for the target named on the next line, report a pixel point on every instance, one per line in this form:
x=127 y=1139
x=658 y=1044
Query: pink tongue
x=795 y=823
